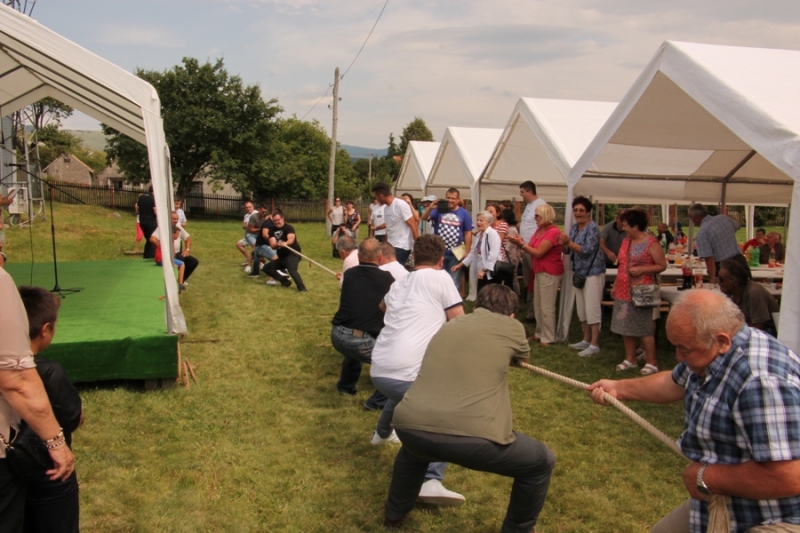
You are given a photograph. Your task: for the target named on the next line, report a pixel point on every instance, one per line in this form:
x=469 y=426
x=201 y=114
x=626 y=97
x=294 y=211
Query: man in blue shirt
x=741 y=394
x=454 y=226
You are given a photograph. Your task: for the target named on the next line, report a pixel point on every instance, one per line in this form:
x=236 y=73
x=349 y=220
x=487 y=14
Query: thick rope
x=323 y=267
x=719 y=520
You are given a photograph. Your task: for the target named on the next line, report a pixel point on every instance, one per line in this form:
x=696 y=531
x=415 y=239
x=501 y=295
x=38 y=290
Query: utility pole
x=332 y=167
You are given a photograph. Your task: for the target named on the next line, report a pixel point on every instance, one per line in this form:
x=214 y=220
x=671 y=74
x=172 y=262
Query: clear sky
x=453 y=63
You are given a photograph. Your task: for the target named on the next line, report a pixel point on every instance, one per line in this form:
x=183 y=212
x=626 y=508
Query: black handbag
x=578 y=280
x=26 y=454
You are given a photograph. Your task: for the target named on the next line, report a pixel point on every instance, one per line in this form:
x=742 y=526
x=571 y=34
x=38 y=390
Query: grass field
x=264 y=443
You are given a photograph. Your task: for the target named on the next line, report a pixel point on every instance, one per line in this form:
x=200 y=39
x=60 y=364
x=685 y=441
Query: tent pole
x=730 y=175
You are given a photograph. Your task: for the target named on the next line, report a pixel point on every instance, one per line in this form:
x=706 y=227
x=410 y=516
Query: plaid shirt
x=746 y=408
x=717 y=238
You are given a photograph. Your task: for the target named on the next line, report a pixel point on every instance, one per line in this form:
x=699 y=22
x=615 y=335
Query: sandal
x=626 y=365
x=648 y=369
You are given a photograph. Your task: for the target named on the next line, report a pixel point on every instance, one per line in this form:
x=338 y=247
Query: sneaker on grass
x=377 y=440
x=434 y=493
x=590 y=351
x=271 y=281
x=248 y=269
x=580 y=345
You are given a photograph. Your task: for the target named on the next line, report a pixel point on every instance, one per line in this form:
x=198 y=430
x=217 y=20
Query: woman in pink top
x=547 y=269
x=641 y=258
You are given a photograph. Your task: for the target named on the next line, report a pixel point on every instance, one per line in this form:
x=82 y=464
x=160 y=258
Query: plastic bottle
x=671 y=252
x=772 y=260
x=755 y=257
x=747 y=255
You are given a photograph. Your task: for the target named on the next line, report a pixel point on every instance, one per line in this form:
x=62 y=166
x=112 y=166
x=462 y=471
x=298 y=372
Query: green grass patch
x=264 y=443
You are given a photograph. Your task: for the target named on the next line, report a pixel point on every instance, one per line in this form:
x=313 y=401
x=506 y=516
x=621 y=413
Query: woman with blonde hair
x=547 y=271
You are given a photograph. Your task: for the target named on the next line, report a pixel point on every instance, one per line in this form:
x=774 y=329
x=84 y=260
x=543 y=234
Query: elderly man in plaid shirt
x=741 y=394
x=716 y=239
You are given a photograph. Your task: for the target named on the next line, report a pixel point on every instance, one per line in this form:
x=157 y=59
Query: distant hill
x=91 y=139
x=359 y=152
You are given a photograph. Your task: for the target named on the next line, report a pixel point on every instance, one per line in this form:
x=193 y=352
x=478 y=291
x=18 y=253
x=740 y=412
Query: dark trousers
x=334 y=229
x=149 y=248
x=12 y=500
x=526 y=460
x=52 y=506
x=289 y=263
x=191 y=263
x=402 y=255
x=356 y=352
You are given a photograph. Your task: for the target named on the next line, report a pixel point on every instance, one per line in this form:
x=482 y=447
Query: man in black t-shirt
x=282 y=236
x=359 y=319
x=146 y=209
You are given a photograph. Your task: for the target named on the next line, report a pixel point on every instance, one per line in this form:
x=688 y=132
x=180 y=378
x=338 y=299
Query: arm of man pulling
x=755 y=481
x=24 y=391
x=188 y=248
x=656 y=388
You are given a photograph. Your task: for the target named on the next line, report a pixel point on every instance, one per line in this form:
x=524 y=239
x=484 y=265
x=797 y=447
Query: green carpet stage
x=115 y=327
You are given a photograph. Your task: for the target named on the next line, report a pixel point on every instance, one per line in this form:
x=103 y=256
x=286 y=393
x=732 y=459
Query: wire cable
x=365 y=40
x=352 y=62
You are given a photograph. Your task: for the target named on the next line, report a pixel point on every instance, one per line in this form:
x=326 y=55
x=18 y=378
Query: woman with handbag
x=588 y=274
x=547 y=271
x=504 y=270
x=352 y=219
x=636 y=292
x=485 y=252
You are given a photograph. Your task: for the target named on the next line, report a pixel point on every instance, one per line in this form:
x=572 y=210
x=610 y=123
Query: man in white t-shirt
x=388 y=262
x=416 y=307
x=376 y=219
x=401 y=229
x=527 y=227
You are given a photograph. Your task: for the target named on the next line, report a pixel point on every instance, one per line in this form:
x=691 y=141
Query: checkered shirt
x=717 y=238
x=451 y=226
x=746 y=408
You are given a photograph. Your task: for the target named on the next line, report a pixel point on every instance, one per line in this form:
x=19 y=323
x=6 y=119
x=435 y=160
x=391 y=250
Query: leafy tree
x=54 y=142
x=383 y=170
x=48 y=111
x=96 y=159
x=296 y=164
x=416 y=130
x=393 y=149
x=215 y=126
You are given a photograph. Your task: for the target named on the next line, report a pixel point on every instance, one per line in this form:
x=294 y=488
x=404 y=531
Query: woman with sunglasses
x=589 y=263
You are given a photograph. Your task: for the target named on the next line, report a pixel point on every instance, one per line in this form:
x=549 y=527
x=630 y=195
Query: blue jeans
x=402 y=255
x=395 y=389
x=449 y=262
x=261 y=251
x=356 y=351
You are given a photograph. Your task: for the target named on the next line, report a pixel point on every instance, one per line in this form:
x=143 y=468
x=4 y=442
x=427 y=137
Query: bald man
x=741 y=389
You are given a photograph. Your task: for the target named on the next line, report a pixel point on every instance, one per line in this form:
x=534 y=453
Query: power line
x=367 y=39
x=352 y=62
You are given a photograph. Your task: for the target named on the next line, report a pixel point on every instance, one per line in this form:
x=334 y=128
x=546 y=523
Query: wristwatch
x=701 y=485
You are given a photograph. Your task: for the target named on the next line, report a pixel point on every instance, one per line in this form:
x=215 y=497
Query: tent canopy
x=701 y=122
x=417 y=163
x=36 y=62
x=541 y=142
x=461 y=159
x=706 y=123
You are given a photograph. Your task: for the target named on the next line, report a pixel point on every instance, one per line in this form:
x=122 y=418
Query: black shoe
x=345 y=393
x=372 y=407
x=286 y=283
x=302 y=289
x=253 y=275
x=390 y=524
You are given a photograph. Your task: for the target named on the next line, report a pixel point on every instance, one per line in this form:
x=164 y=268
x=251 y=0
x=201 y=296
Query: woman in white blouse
x=486 y=250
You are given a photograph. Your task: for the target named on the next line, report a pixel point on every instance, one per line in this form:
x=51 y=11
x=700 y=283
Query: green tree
x=215 y=126
x=393 y=149
x=296 y=164
x=49 y=111
x=416 y=130
x=55 y=142
x=383 y=170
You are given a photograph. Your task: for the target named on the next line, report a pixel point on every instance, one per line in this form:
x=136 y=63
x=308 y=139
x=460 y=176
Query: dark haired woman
x=641 y=258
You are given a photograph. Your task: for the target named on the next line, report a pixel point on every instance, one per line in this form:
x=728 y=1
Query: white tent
x=541 y=142
x=417 y=163
x=462 y=156
x=36 y=63
x=706 y=123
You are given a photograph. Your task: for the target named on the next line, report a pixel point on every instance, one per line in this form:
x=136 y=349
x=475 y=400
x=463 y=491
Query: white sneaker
x=248 y=269
x=434 y=493
x=271 y=282
x=580 y=345
x=590 y=351
x=376 y=439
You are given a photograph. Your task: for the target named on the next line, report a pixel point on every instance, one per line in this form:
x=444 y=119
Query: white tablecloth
x=670 y=293
x=760 y=273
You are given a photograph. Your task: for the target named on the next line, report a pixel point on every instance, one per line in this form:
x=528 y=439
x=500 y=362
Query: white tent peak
x=462 y=156
x=417 y=163
x=542 y=140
